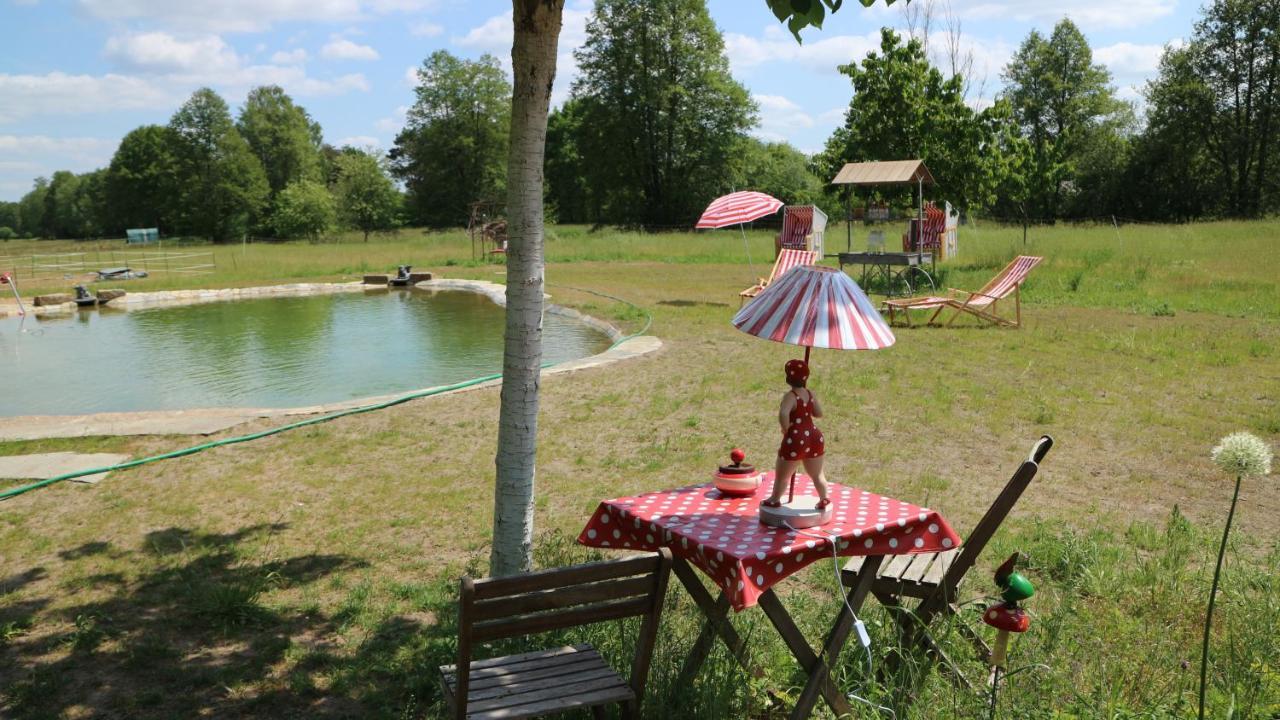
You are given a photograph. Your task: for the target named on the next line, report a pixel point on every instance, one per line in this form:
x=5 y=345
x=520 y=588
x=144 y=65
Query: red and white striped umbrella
x=815 y=306
x=737 y=208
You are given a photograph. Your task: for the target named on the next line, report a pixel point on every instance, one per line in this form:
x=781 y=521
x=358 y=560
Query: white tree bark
x=533 y=61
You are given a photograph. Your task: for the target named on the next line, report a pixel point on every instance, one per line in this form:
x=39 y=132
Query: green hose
x=14 y=492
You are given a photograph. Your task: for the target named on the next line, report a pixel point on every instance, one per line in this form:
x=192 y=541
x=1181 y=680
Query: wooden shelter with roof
x=894 y=173
x=885 y=172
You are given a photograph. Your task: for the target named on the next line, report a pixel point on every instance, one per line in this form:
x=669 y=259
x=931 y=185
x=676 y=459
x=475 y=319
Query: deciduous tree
x=222 y=187
x=1065 y=106
x=661 y=114
x=304 y=209
x=142 y=180
x=1215 y=106
x=367 y=199
x=451 y=150
x=282 y=135
x=903 y=107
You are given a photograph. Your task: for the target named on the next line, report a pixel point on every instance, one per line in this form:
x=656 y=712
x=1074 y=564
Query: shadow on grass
x=190 y=636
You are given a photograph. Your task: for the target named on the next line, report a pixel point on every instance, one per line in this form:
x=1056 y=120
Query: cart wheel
x=917 y=279
x=899 y=284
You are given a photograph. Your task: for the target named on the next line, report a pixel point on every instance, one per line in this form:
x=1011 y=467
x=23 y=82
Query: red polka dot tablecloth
x=724 y=537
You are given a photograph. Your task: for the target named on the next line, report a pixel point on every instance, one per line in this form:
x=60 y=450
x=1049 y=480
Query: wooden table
x=902 y=273
x=722 y=537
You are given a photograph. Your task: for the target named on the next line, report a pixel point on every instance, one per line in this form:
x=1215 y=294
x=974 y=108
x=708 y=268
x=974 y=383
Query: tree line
x=267 y=172
x=655 y=126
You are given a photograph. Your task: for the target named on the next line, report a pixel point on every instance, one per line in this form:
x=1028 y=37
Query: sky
x=76 y=75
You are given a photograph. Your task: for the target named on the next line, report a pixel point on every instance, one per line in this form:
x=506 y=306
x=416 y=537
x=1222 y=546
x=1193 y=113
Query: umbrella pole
x=746 y=247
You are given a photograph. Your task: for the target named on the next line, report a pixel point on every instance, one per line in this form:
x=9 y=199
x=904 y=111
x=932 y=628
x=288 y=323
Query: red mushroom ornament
x=1008 y=616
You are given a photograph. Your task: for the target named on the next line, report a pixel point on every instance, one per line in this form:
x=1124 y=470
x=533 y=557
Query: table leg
x=836 y=639
x=794 y=639
x=716 y=612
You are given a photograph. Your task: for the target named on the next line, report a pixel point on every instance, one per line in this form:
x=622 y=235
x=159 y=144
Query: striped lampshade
x=817 y=307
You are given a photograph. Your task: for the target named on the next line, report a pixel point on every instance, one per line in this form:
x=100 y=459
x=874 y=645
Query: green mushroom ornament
x=1008 y=616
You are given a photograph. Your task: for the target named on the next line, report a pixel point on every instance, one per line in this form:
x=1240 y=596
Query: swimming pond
x=262 y=353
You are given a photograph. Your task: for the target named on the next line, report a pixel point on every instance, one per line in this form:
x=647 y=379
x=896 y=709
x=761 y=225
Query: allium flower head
x=1243 y=454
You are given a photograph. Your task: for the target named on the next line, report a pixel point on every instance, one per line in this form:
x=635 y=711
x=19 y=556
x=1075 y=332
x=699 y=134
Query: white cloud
x=162 y=52
x=832 y=117
x=411 y=76
x=426 y=29
x=296 y=56
x=357 y=141
x=30 y=156
x=59 y=93
x=493 y=35
x=177 y=64
x=778 y=110
x=343 y=49
x=1125 y=58
x=245 y=15
x=1088 y=14
x=777 y=46
x=395 y=122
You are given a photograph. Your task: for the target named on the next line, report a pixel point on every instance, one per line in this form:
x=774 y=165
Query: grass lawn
x=312 y=574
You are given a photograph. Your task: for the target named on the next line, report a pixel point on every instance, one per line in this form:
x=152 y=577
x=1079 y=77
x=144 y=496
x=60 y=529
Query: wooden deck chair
x=787 y=259
x=934 y=578
x=980 y=304
x=565 y=678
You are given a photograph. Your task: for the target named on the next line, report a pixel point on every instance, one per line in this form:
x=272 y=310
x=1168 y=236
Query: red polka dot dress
x=803 y=440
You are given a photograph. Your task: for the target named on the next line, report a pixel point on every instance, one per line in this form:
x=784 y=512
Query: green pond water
x=278 y=352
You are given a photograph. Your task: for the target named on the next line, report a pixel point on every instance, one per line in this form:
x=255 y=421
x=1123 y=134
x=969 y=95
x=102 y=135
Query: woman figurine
x=801 y=440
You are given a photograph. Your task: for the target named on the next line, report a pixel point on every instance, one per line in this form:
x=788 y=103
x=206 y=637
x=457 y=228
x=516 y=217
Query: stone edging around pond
x=206 y=421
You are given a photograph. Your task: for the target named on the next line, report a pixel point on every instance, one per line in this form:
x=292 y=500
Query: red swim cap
x=797 y=372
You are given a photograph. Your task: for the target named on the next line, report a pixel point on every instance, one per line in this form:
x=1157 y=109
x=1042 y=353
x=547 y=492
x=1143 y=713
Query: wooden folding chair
x=980 y=304
x=787 y=259
x=934 y=578
x=558 y=679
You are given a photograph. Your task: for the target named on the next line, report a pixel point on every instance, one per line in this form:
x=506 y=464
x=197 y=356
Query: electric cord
x=864 y=639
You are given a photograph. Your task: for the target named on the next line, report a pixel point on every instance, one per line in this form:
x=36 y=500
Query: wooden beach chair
x=551 y=681
x=797 y=225
x=787 y=259
x=982 y=303
x=934 y=578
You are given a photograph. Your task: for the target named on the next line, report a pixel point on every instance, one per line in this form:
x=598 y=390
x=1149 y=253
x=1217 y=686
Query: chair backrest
x=1007 y=281
x=789 y=258
x=497 y=608
x=987 y=526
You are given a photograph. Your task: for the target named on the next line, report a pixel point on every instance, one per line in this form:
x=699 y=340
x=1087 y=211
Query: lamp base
x=802 y=512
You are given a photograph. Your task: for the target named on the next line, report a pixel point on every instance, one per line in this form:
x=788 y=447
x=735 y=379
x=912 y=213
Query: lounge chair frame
x=982 y=304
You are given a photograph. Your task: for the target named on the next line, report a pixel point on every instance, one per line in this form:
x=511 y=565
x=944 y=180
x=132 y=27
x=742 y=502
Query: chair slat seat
x=540 y=683
x=558 y=679
x=915 y=576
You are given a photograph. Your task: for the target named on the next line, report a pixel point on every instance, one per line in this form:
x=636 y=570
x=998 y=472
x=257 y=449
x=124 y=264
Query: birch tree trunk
x=533 y=62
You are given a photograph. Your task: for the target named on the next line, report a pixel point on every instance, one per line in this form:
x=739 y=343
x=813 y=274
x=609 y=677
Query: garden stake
x=1006 y=617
